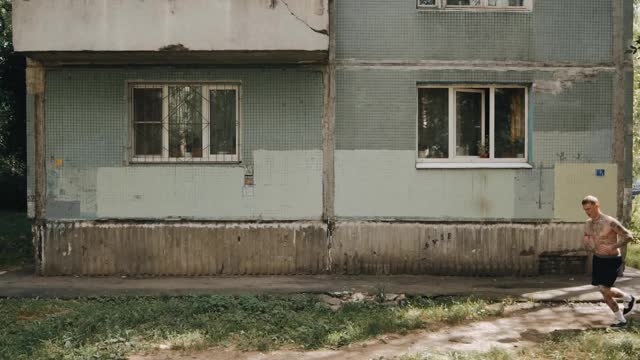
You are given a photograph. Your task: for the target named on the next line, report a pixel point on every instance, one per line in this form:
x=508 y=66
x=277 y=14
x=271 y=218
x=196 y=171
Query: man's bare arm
x=623 y=232
x=588 y=241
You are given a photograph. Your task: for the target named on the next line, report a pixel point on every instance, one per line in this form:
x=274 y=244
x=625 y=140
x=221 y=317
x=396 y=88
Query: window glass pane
x=223 y=121
x=509 y=123
x=464 y=2
x=148 y=139
x=469 y=121
x=427 y=2
x=185 y=121
x=433 y=123
x=147 y=118
x=506 y=3
x=484 y=144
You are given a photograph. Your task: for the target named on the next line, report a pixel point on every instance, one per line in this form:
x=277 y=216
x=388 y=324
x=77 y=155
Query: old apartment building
x=323 y=136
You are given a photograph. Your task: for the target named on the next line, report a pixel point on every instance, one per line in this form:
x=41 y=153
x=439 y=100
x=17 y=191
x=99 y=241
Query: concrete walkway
x=555 y=288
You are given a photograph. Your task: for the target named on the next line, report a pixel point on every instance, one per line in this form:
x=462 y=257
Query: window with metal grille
x=180 y=122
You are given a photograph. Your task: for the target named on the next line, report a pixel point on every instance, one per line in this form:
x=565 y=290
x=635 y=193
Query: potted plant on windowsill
x=483 y=149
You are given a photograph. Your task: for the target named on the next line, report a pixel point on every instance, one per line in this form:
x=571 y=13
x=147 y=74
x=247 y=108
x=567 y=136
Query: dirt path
x=521 y=328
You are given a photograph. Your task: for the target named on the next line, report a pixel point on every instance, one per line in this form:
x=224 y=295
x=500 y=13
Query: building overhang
x=134 y=58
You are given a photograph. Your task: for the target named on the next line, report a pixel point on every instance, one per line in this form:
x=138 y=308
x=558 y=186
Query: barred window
x=185 y=122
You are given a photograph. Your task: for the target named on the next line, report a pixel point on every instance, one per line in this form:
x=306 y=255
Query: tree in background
x=636 y=90
x=12 y=117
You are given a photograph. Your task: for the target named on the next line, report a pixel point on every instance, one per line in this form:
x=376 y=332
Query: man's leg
x=627 y=299
x=617 y=293
x=607 y=295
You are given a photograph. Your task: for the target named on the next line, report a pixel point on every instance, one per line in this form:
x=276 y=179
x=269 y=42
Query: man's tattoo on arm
x=620 y=230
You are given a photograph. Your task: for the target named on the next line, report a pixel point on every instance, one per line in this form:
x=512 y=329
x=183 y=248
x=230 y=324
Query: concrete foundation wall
x=88 y=248
x=183 y=249
x=454 y=249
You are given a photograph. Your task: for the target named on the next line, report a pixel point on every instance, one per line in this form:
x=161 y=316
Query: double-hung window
x=176 y=122
x=483 y=4
x=472 y=126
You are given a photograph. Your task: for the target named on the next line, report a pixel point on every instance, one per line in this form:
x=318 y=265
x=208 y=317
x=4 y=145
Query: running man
x=601 y=233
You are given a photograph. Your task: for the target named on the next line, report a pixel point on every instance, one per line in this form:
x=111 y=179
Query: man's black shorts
x=605 y=270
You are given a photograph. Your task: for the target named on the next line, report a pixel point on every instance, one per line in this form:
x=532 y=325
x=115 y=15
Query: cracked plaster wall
x=198 y=25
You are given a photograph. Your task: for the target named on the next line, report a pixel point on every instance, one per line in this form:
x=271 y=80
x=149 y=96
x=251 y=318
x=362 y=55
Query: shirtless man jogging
x=601 y=236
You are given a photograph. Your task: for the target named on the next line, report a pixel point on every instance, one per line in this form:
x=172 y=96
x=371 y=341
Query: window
x=484 y=4
x=185 y=122
x=473 y=124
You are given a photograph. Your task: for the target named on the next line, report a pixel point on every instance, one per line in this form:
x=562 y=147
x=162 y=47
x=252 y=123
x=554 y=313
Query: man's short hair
x=590 y=199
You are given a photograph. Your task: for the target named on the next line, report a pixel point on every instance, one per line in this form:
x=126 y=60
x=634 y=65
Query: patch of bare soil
x=523 y=326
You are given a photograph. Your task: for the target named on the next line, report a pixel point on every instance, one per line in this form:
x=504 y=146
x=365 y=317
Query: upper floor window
x=176 y=122
x=482 y=4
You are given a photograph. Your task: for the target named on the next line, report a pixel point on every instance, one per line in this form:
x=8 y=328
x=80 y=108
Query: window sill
x=474 y=9
x=183 y=162
x=473 y=165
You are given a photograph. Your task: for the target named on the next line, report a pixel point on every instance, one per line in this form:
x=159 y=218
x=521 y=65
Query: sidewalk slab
x=547 y=288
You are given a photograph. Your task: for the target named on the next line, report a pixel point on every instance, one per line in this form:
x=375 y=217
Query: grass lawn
x=110 y=328
x=15 y=239
x=633 y=250
x=633 y=255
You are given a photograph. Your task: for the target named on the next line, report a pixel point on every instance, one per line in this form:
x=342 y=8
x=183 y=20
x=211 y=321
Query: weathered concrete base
x=90 y=248
x=450 y=249
x=110 y=248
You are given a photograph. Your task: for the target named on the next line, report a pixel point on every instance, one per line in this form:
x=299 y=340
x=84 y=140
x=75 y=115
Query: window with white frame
x=485 y=4
x=185 y=122
x=474 y=123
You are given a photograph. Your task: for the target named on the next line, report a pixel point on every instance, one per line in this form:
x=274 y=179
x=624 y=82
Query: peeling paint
x=564 y=80
x=68 y=252
x=479 y=65
x=174 y=47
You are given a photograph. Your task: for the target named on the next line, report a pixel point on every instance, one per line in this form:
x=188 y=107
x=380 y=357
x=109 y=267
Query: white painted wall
x=148 y=25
